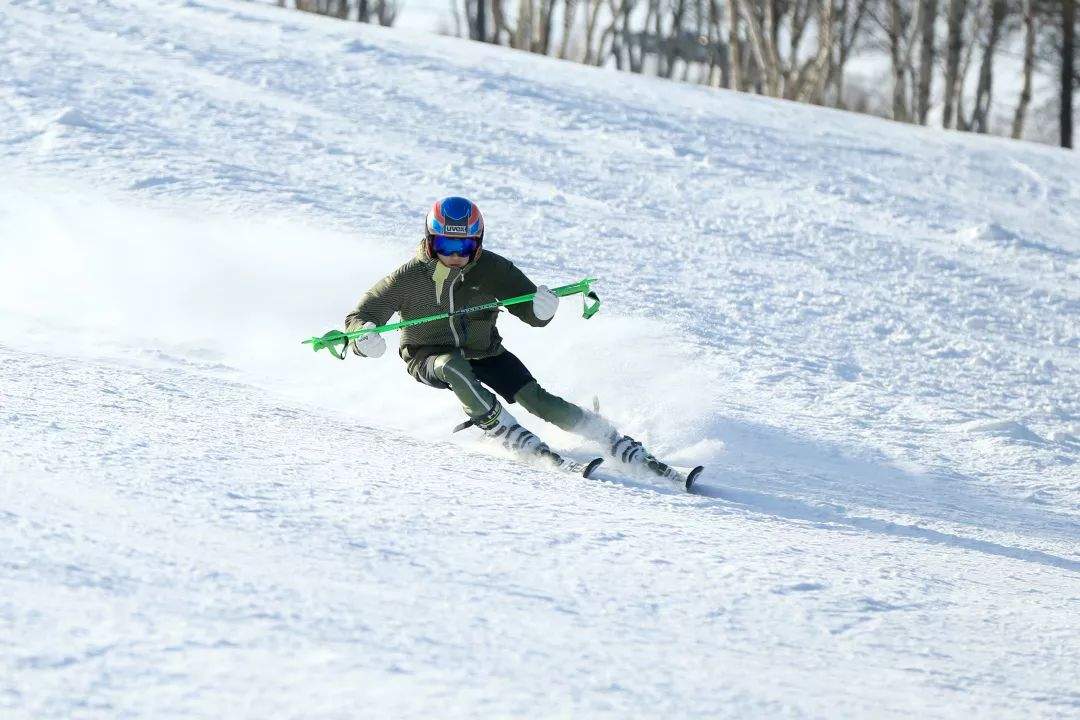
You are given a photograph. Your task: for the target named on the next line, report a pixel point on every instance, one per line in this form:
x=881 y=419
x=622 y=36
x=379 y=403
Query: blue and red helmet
x=454 y=217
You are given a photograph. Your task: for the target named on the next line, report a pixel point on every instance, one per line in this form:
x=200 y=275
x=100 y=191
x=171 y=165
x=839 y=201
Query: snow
x=869 y=333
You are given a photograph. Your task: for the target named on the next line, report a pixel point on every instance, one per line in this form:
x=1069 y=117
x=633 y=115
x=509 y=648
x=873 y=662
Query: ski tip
x=692 y=476
x=592 y=465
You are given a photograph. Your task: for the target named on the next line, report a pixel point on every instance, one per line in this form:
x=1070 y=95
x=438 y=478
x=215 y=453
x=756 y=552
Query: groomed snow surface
x=868 y=332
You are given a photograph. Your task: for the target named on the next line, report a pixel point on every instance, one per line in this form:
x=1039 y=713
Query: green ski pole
x=589 y=300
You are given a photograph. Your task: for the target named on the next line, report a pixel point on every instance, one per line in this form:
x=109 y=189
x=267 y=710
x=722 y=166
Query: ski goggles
x=446 y=245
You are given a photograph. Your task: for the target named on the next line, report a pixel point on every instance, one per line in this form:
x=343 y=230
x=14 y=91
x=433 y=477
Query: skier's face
x=454 y=261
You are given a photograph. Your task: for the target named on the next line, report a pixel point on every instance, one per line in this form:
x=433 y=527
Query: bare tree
x=382 y=11
x=795 y=49
x=673 y=51
x=1068 y=72
x=569 y=11
x=927 y=52
x=592 y=14
x=719 y=70
x=762 y=29
x=480 y=23
x=1029 y=68
x=544 y=25
x=813 y=74
x=901 y=31
x=501 y=34
x=789 y=74
x=983 y=93
x=849 y=24
x=735 y=80
x=955 y=46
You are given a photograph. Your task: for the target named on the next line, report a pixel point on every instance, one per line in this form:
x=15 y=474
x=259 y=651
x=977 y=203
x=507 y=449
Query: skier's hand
x=371 y=345
x=545 y=303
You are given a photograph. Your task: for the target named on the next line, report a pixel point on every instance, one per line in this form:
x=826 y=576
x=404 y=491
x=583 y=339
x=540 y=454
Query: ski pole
x=590 y=303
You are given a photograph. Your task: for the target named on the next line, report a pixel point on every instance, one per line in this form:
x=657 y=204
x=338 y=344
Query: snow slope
x=869 y=332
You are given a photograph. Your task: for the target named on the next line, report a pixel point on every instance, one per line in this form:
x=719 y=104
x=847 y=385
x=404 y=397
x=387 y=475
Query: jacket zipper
x=453 y=330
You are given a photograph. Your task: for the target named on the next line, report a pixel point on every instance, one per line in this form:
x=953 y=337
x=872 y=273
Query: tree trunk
x=569 y=10
x=896 y=37
x=523 y=36
x=762 y=45
x=611 y=34
x=984 y=93
x=825 y=43
x=1029 y=69
x=481 y=20
x=962 y=120
x=547 y=20
x=669 y=47
x=655 y=17
x=808 y=83
x=735 y=77
x=1068 y=75
x=955 y=45
x=717 y=54
x=927 y=52
x=845 y=42
x=498 y=16
x=592 y=14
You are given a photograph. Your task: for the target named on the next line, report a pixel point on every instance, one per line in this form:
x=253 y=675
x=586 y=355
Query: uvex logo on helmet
x=455 y=229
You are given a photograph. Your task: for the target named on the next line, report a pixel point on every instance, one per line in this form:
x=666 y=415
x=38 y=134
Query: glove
x=371 y=345
x=545 y=303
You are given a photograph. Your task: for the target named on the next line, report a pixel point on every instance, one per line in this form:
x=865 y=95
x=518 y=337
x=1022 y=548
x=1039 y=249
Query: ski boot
x=632 y=452
x=501 y=426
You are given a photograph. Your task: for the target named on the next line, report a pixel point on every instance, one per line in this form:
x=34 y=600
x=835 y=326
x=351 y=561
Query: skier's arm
x=378 y=304
x=513 y=282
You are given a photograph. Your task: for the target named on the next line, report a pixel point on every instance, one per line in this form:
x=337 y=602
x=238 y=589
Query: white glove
x=545 y=303
x=371 y=345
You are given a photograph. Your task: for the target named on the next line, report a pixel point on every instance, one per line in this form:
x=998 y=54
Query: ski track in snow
x=869 y=332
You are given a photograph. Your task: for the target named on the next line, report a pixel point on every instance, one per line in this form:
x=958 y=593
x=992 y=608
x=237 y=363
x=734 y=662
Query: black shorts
x=503 y=373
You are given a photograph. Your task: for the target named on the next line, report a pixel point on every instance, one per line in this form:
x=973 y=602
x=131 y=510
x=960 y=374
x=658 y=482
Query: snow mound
x=998 y=238
x=72 y=118
x=1011 y=429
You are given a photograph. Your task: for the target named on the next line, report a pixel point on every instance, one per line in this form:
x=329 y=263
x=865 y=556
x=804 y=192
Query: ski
x=669 y=473
x=585 y=469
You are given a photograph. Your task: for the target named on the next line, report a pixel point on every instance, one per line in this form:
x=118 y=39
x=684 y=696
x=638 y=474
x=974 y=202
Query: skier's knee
x=453 y=369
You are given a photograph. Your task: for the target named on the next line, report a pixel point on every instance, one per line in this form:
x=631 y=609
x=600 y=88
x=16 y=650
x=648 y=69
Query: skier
x=452 y=270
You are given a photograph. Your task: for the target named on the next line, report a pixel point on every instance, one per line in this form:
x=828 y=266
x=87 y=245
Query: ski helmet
x=454 y=217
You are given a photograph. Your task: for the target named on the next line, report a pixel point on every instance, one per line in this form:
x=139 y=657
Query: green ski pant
x=455 y=370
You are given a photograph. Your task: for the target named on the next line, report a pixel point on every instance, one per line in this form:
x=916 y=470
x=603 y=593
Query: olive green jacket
x=424 y=286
